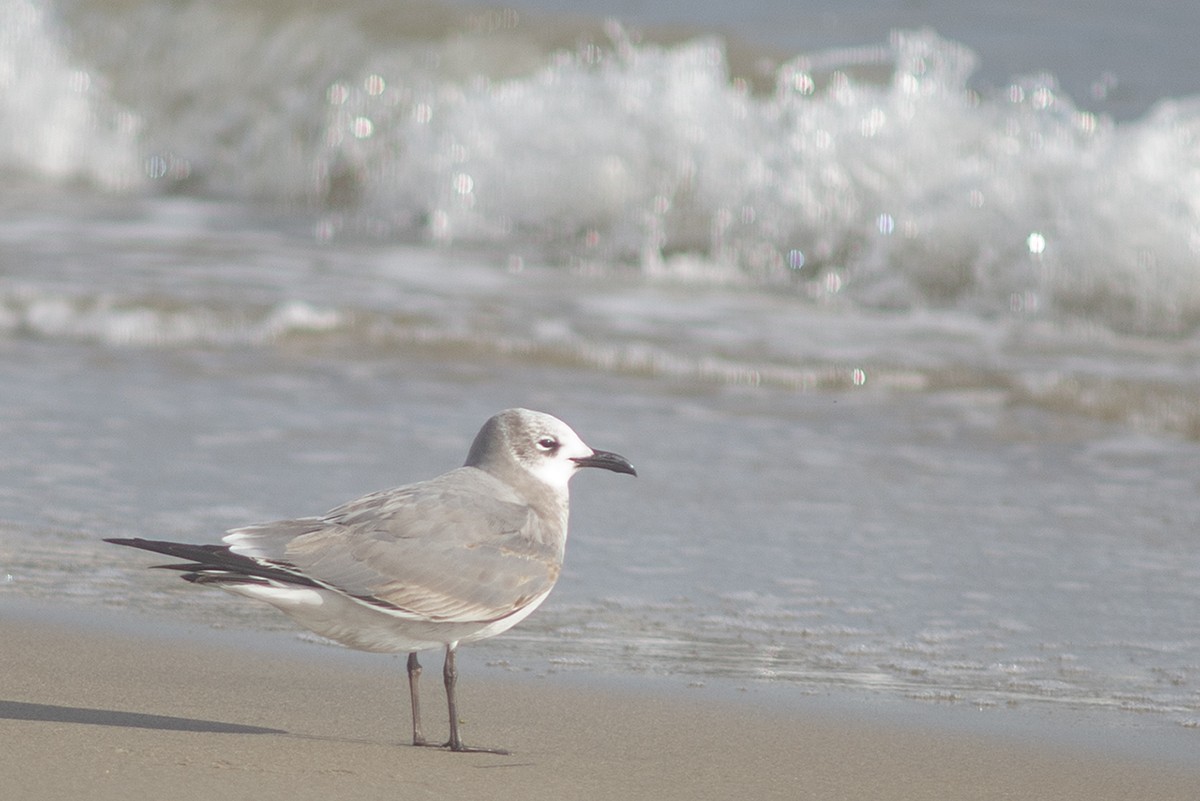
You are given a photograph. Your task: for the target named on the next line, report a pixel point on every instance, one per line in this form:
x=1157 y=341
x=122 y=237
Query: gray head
x=539 y=444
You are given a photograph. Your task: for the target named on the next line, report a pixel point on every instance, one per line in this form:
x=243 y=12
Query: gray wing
x=462 y=547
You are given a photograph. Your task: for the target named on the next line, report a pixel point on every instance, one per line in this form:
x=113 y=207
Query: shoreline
x=115 y=711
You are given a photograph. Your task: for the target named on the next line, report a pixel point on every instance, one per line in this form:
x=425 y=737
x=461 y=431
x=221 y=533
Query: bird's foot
x=461 y=747
x=472 y=749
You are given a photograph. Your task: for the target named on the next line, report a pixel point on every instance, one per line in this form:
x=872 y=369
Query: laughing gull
x=454 y=559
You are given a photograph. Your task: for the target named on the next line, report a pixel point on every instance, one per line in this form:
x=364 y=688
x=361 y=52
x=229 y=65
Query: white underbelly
x=361 y=626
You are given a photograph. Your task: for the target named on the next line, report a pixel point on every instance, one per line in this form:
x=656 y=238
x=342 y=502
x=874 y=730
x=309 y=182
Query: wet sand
x=119 y=713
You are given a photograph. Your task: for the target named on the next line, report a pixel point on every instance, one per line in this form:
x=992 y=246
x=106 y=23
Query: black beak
x=607 y=460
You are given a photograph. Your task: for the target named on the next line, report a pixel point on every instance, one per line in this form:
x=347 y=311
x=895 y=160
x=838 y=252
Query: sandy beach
x=118 y=713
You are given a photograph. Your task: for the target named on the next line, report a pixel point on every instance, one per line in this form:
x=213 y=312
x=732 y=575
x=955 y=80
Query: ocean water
x=897 y=311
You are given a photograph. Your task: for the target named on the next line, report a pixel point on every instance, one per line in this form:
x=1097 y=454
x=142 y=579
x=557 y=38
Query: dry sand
x=114 y=713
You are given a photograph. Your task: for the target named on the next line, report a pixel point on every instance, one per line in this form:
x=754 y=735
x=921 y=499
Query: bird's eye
x=548 y=444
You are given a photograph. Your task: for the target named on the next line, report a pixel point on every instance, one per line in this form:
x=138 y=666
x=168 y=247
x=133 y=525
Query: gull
x=435 y=564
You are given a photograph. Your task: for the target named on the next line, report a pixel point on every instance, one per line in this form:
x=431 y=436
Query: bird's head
x=539 y=444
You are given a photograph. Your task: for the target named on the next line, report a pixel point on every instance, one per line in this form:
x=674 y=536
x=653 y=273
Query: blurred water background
x=895 y=306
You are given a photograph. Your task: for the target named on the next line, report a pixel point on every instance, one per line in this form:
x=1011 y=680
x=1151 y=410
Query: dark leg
x=450 y=676
x=414 y=675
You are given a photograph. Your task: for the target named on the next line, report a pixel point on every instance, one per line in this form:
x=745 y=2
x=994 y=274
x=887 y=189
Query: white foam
x=908 y=191
x=143 y=323
x=56 y=118
x=875 y=173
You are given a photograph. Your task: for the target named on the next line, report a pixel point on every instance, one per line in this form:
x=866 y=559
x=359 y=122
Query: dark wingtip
x=216 y=564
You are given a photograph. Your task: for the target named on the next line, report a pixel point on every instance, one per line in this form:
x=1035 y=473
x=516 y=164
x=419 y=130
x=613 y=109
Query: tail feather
x=217 y=564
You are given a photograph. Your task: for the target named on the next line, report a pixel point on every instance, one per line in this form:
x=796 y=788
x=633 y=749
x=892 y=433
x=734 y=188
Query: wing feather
x=462 y=547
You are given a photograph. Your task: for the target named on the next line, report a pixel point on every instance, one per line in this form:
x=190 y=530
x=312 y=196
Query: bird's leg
x=450 y=676
x=414 y=676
